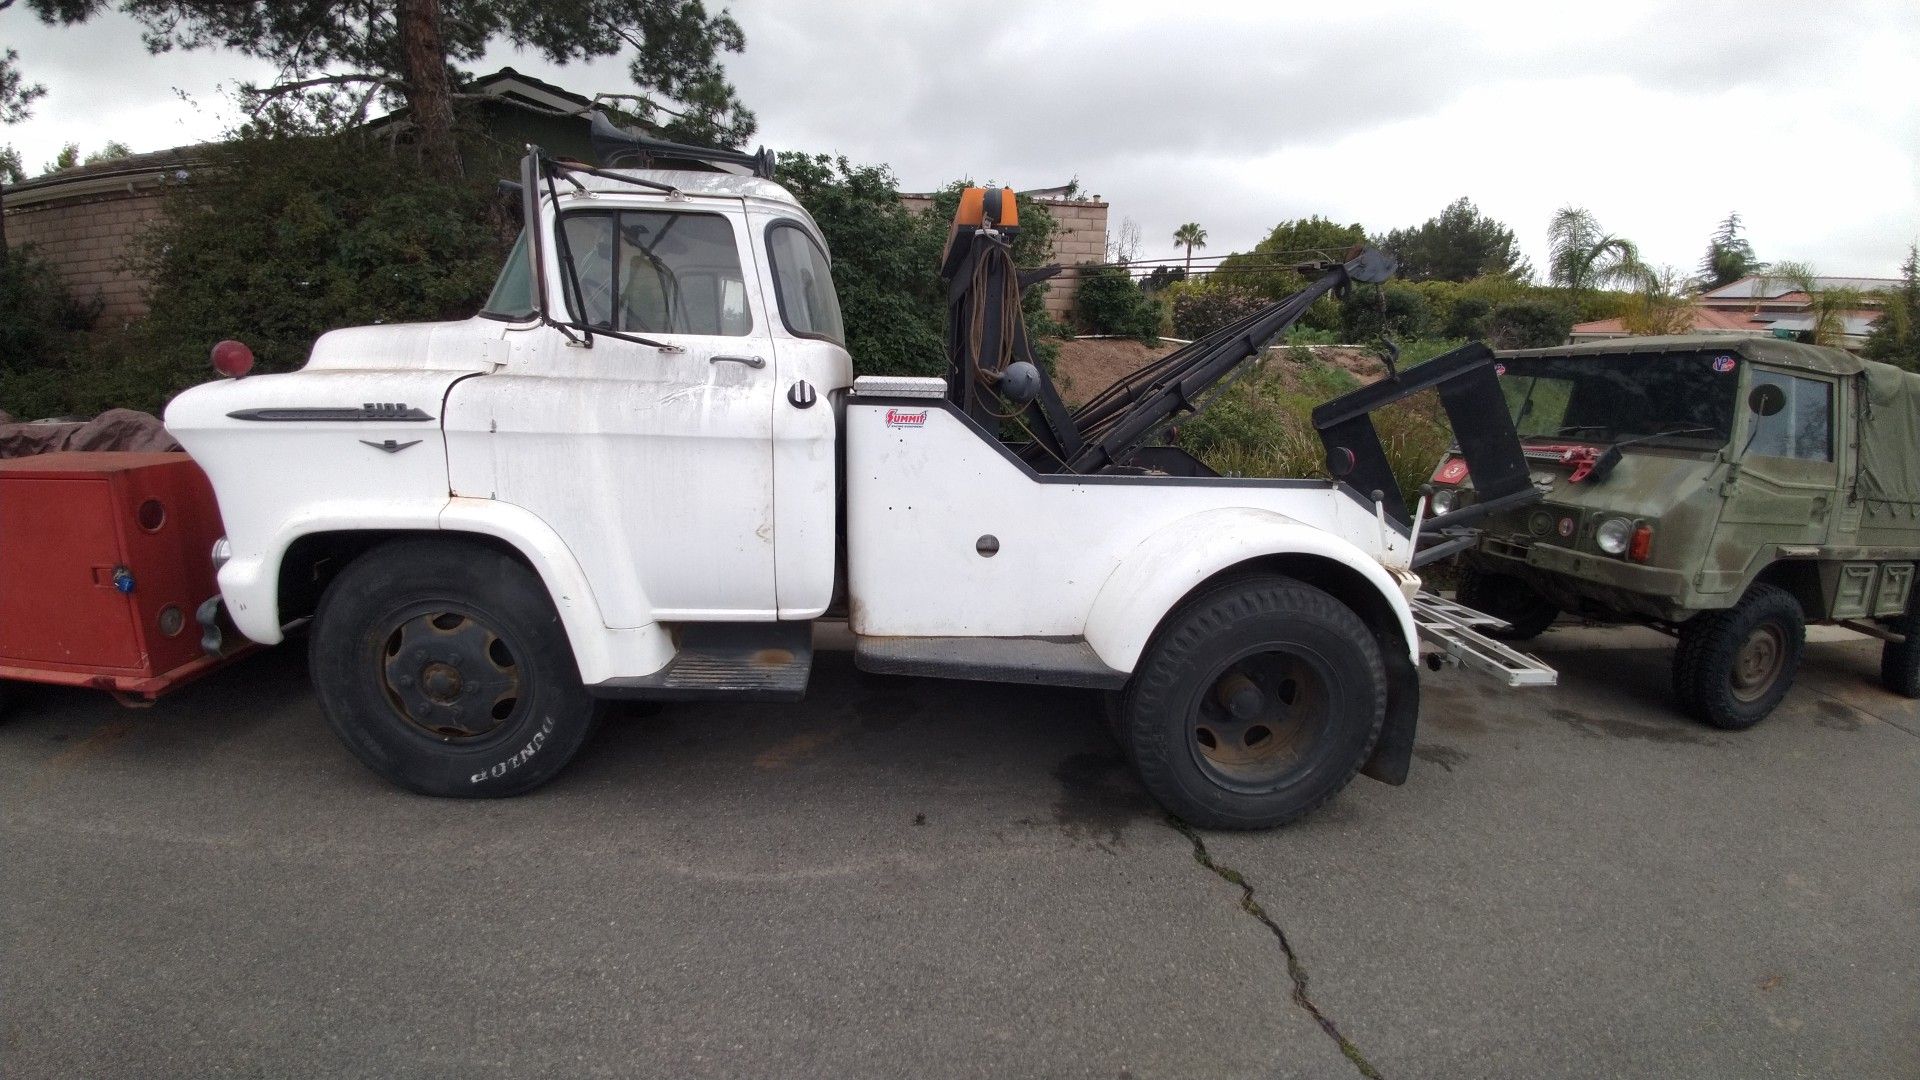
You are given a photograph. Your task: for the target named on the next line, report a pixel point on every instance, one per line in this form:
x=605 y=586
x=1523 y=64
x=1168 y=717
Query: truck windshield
x=1685 y=399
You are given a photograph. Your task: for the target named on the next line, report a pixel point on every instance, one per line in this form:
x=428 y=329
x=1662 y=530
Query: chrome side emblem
x=390 y=446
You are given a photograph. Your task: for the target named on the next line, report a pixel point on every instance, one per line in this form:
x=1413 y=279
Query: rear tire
x=1900 y=663
x=1732 y=667
x=1508 y=599
x=1256 y=702
x=444 y=668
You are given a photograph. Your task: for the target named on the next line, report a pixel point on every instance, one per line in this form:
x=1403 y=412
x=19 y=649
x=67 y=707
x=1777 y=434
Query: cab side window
x=1803 y=429
x=657 y=272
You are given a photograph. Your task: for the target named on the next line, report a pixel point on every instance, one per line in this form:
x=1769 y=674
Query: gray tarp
x=115 y=429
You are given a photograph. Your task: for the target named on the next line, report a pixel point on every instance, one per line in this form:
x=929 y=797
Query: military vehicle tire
x=1509 y=599
x=1254 y=704
x=443 y=666
x=1900 y=663
x=1732 y=667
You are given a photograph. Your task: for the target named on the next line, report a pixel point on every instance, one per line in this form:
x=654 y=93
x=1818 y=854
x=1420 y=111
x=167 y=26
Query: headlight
x=222 y=551
x=1442 y=502
x=1613 y=534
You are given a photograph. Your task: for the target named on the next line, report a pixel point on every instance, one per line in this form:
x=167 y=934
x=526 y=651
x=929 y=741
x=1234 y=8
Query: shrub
x=1110 y=303
x=1529 y=324
x=1405 y=315
x=1200 y=309
x=42 y=327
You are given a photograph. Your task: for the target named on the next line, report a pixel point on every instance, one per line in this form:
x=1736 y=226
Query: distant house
x=86 y=220
x=1759 y=306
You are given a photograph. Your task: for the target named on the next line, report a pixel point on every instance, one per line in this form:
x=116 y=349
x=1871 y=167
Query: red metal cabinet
x=103 y=561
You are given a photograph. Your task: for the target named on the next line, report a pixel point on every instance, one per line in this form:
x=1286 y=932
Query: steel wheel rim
x=1261 y=719
x=1758 y=662
x=448 y=674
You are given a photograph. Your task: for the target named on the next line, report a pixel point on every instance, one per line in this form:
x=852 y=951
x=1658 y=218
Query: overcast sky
x=1658 y=117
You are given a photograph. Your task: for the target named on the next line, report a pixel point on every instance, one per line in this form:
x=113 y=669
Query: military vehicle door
x=1783 y=485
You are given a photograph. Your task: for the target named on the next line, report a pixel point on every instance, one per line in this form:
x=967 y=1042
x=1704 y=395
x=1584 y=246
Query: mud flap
x=1392 y=756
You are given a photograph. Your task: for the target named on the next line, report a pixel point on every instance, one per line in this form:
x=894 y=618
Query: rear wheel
x=1900 y=661
x=1508 y=599
x=444 y=668
x=1256 y=703
x=1732 y=667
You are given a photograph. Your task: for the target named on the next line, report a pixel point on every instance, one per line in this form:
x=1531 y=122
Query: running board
x=1037 y=661
x=1454 y=629
x=736 y=661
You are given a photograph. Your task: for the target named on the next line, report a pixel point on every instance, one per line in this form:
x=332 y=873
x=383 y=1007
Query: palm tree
x=1192 y=236
x=1828 y=307
x=1581 y=256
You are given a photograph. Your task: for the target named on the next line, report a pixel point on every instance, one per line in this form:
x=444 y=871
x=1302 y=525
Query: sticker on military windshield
x=1723 y=364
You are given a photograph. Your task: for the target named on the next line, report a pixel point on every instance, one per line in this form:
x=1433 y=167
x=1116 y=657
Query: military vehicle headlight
x=1443 y=501
x=1613 y=535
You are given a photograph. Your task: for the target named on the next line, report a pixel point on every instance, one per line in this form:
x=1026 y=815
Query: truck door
x=1786 y=485
x=653 y=465
x=812 y=365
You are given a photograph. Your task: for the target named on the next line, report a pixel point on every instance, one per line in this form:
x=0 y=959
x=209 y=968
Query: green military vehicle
x=1728 y=491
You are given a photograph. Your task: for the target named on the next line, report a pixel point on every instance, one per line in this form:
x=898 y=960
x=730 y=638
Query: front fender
x=1172 y=562
x=601 y=653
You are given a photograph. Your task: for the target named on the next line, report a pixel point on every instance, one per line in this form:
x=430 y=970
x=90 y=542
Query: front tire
x=1256 y=702
x=444 y=668
x=1732 y=667
x=1508 y=599
x=1900 y=661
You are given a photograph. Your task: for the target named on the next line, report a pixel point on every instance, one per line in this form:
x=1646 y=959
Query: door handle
x=750 y=361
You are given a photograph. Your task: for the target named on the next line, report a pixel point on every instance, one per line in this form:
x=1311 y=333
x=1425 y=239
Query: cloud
x=1660 y=115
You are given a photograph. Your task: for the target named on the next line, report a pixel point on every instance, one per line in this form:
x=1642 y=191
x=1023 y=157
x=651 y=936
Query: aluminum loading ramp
x=1454 y=630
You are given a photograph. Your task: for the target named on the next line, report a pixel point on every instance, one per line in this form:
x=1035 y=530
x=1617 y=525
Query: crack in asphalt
x=1296 y=970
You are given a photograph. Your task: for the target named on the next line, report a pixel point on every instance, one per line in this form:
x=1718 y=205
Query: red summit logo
x=896 y=418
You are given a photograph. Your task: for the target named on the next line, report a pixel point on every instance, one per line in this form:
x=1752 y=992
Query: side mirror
x=1766 y=400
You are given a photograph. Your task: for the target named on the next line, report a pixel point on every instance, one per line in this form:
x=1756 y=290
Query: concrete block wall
x=93 y=243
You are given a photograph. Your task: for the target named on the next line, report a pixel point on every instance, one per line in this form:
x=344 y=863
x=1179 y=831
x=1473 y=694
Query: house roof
x=1762 y=287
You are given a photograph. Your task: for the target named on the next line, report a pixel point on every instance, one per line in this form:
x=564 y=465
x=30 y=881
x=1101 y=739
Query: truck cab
x=1718 y=488
x=645 y=468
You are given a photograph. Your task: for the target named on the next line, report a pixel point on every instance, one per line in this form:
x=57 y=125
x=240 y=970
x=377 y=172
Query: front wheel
x=1256 y=702
x=1732 y=667
x=1900 y=660
x=444 y=668
x=1509 y=599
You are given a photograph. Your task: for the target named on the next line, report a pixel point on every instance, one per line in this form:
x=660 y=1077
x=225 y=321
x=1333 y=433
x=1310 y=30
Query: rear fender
x=1171 y=563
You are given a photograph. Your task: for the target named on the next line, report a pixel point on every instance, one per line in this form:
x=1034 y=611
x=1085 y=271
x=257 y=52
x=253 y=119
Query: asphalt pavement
x=911 y=878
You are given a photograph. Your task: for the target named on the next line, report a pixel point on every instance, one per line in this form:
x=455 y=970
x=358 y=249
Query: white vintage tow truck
x=645 y=470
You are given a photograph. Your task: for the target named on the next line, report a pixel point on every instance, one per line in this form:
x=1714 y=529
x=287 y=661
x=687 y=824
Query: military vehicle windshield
x=1685 y=399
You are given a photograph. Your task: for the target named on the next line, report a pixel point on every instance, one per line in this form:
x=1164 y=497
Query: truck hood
x=468 y=345
x=1648 y=482
x=410 y=365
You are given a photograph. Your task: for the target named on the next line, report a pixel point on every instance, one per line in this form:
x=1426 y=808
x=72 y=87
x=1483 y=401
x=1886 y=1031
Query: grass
x=1262 y=425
